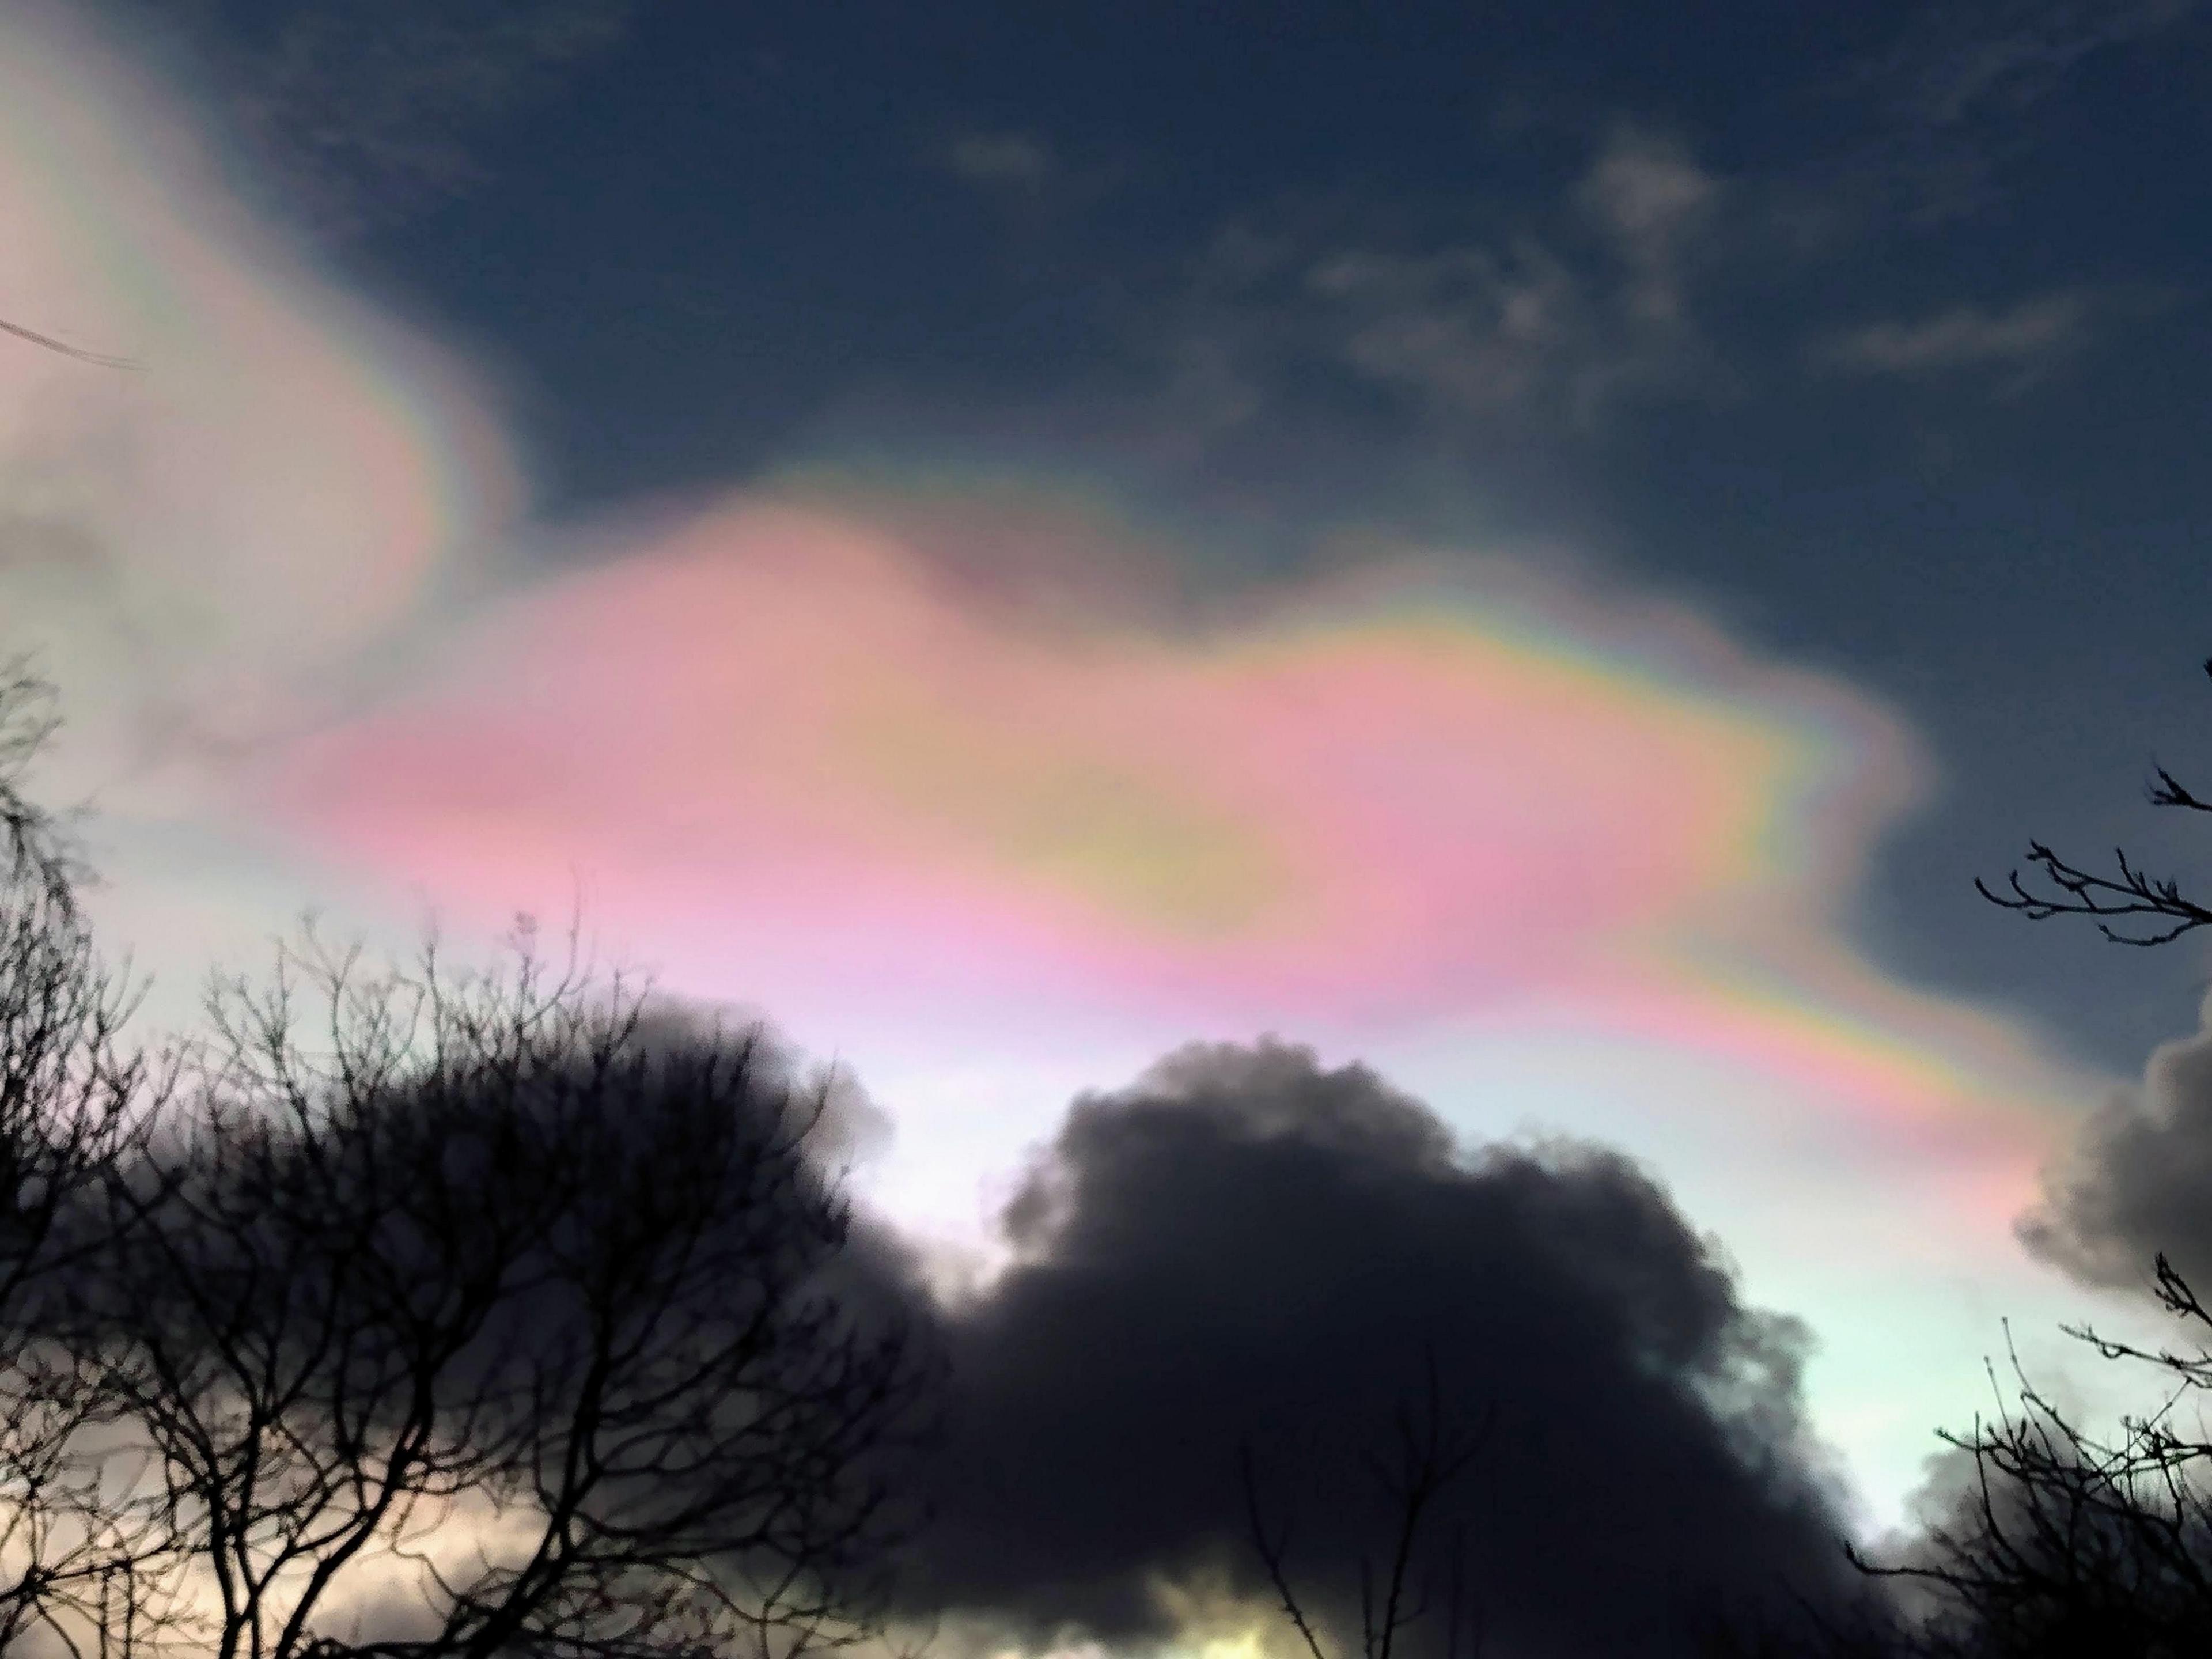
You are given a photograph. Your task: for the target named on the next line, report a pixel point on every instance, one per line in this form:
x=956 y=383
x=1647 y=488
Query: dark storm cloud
x=1246 y=1245
x=2138 y=1181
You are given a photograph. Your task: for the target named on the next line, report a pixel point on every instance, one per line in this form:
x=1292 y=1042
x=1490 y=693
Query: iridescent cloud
x=903 y=766
x=197 y=547
x=898 y=757
x=783 y=750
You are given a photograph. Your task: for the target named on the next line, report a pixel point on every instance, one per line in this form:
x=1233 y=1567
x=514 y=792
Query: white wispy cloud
x=2025 y=339
x=1561 y=316
x=1956 y=92
x=360 y=113
x=1652 y=201
x=1957 y=64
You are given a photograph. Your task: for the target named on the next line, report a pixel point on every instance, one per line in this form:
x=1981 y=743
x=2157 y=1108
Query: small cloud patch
x=1001 y=161
x=2027 y=339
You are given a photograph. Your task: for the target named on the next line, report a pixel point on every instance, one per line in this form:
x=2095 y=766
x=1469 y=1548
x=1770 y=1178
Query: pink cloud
x=776 y=722
x=783 y=751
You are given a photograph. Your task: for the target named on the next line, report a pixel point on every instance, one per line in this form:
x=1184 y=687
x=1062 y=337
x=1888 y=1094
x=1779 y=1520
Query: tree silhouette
x=468 y=1314
x=2128 y=904
x=2067 y=1540
x=421 y=1313
x=74 y=1100
x=1411 y=1579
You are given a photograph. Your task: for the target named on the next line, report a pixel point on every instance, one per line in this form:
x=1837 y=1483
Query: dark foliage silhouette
x=2059 y=1539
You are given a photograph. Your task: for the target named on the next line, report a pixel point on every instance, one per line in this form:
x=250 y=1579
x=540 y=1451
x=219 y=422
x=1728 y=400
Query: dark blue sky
x=1878 y=331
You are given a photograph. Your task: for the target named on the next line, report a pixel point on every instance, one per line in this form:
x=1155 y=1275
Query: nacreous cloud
x=901 y=761
x=199 y=548
x=791 y=746
x=901 y=756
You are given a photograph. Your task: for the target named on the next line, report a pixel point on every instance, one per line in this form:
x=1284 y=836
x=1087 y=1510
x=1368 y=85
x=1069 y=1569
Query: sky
x=1500 y=573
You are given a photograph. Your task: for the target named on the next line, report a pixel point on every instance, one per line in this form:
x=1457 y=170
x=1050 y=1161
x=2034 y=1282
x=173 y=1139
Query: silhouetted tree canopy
x=76 y=1100
x=470 y=1314
x=421 y=1312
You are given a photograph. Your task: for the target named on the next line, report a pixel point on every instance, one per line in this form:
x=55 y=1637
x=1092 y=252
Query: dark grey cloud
x=2137 y=1182
x=1245 y=1245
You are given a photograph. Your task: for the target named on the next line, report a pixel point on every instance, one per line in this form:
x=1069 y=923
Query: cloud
x=950 y=757
x=963 y=782
x=908 y=759
x=1652 y=200
x=988 y=763
x=1247 y=1244
x=1001 y=161
x=2137 y=1182
x=2026 y=337
x=1956 y=95
x=364 y=111
x=1559 y=319
x=1960 y=64
x=279 y=440
x=1476 y=328
x=215 y=551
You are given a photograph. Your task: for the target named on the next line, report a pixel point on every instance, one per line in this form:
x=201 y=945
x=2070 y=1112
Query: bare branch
x=512 y=1256
x=2128 y=905
x=1429 y=1450
x=1271 y=1548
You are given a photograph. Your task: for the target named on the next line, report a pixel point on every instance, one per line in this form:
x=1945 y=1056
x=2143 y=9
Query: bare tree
x=1430 y=1449
x=468 y=1314
x=40 y=865
x=2067 y=1540
x=75 y=1098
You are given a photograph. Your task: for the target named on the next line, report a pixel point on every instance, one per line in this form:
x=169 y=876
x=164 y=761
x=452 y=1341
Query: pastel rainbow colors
x=788 y=751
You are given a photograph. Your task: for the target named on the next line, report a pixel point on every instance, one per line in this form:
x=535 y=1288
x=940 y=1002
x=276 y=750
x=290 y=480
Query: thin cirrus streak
x=791 y=757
